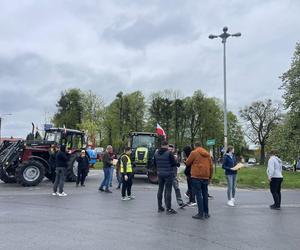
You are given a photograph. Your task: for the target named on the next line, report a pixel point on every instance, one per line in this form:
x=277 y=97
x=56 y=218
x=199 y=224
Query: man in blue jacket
x=166 y=168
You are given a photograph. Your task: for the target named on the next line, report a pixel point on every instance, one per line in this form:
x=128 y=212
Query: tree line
x=188 y=119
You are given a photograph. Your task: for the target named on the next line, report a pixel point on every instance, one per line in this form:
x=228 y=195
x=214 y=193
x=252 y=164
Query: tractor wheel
x=5 y=177
x=30 y=173
x=153 y=178
x=71 y=174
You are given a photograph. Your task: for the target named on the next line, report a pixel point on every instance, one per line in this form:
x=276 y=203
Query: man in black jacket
x=166 y=168
x=83 y=168
x=62 y=158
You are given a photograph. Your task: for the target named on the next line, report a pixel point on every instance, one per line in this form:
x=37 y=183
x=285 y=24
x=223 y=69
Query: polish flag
x=160 y=131
x=65 y=130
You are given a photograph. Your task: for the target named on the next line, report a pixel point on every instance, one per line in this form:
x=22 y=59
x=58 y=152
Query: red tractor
x=27 y=162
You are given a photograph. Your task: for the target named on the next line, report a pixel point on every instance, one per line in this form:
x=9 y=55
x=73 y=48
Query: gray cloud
x=112 y=46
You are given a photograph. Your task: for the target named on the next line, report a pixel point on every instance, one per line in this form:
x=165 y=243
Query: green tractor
x=144 y=145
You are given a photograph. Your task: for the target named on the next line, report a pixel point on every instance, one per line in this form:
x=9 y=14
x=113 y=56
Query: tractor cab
x=73 y=139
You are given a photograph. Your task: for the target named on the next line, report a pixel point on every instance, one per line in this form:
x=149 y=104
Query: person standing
x=201 y=173
x=52 y=160
x=166 y=167
x=62 y=158
x=113 y=156
x=126 y=173
x=107 y=162
x=274 y=172
x=175 y=182
x=228 y=163
x=187 y=171
x=82 y=169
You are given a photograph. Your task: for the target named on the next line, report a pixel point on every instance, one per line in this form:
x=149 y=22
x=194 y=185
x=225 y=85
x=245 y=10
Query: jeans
x=200 y=188
x=105 y=182
x=231 y=184
x=175 y=185
x=275 y=188
x=111 y=175
x=81 y=175
x=119 y=179
x=165 y=182
x=59 y=180
x=126 y=185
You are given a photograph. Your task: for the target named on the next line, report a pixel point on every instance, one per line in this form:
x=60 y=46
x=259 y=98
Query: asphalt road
x=30 y=218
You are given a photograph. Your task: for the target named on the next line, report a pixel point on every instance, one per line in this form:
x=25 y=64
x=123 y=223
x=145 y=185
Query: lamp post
x=1 y=123
x=224 y=37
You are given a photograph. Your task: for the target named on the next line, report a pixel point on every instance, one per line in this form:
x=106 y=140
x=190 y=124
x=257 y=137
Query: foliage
x=70 y=109
x=261 y=118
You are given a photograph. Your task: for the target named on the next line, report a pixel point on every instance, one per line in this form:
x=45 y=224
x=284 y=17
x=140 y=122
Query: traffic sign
x=211 y=142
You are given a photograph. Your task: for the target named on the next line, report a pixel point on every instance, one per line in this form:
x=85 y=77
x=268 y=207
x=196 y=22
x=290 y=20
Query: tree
x=92 y=117
x=70 y=109
x=261 y=118
x=291 y=86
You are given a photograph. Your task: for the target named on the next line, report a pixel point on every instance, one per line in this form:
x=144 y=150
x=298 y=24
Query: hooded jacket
x=228 y=163
x=201 y=164
x=165 y=163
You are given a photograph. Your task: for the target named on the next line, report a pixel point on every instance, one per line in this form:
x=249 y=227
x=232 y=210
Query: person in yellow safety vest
x=127 y=175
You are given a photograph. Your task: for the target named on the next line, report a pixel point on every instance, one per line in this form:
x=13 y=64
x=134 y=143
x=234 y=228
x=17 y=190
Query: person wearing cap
x=83 y=167
x=166 y=168
x=126 y=172
x=175 y=182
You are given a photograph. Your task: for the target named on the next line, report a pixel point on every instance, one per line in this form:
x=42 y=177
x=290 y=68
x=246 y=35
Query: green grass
x=256 y=177
x=98 y=165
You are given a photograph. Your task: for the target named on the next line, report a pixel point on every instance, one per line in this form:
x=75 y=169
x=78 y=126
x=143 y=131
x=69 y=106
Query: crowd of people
x=198 y=171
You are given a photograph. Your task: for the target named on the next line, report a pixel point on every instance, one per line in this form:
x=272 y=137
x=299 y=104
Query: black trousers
x=275 y=188
x=190 y=191
x=126 y=185
x=81 y=175
x=165 y=183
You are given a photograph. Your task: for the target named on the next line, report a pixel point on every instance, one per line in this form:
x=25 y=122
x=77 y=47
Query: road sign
x=211 y=142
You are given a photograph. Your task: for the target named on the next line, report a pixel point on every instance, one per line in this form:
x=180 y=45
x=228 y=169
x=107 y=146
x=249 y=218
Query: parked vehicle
x=27 y=161
x=251 y=161
x=287 y=166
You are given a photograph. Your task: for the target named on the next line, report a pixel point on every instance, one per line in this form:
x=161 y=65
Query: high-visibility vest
x=128 y=166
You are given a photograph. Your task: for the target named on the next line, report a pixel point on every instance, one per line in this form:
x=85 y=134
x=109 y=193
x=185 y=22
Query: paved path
x=30 y=218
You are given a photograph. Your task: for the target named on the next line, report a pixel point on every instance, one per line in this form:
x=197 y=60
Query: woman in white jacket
x=274 y=172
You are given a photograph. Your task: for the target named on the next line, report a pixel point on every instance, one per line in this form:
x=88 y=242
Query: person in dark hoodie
x=229 y=162
x=187 y=171
x=62 y=158
x=52 y=160
x=166 y=168
x=175 y=183
x=83 y=167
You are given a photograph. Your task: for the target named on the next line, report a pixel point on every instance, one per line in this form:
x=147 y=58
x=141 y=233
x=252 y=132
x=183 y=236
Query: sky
x=109 y=46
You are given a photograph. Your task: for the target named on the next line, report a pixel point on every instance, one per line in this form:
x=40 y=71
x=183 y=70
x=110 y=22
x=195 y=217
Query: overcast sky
x=127 y=45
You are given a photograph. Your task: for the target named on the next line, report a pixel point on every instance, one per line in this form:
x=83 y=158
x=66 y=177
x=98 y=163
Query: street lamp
x=1 y=115
x=224 y=37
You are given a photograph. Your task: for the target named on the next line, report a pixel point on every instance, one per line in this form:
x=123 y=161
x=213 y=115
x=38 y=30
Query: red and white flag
x=160 y=131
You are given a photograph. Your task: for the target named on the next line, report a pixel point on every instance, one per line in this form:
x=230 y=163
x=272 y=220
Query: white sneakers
x=62 y=194
x=125 y=198
x=231 y=202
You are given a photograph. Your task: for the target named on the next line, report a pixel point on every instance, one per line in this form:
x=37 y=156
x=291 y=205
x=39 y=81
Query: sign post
x=211 y=143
